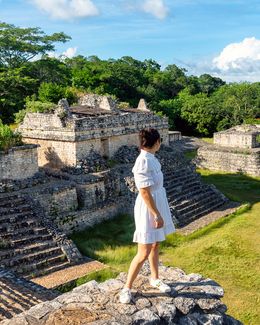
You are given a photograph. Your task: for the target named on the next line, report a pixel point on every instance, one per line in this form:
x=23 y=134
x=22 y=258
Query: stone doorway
x=105 y=147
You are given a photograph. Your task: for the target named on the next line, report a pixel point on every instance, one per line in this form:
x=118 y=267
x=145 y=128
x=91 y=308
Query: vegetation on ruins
x=32 y=106
x=8 y=138
x=194 y=105
x=227 y=250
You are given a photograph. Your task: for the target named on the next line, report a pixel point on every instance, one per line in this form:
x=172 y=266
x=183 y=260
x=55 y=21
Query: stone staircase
x=18 y=294
x=27 y=247
x=189 y=198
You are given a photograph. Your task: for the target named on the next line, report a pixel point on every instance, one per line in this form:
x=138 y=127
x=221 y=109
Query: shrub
x=33 y=106
x=51 y=92
x=8 y=138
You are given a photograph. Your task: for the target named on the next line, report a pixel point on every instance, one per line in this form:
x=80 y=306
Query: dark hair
x=148 y=137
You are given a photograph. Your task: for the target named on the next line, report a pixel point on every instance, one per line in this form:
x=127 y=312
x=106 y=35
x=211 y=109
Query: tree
x=19 y=45
x=49 y=70
x=51 y=92
x=238 y=102
x=200 y=111
x=209 y=84
x=170 y=81
x=14 y=87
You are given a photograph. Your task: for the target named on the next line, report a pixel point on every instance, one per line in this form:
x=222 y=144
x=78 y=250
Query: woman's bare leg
x=154 y=260
x=137 y=263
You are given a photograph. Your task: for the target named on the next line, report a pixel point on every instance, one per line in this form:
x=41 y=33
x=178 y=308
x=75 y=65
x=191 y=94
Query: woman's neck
x=150 y=150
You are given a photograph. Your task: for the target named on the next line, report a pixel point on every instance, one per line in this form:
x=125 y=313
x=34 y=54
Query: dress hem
x=153 y=236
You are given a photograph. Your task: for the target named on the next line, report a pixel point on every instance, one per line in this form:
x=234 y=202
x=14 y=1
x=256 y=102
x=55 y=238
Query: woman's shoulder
x=144 y=163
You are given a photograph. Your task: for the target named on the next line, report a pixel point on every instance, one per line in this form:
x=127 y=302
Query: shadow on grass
x=237 y=187
x=111 y=241
x=110 y=234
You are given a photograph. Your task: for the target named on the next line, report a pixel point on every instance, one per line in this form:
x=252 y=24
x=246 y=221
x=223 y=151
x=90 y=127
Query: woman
x=152 y=213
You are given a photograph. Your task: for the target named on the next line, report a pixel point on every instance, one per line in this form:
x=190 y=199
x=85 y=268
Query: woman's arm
x=148 y=199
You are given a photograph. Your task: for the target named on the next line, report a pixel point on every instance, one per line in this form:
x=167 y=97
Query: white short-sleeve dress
x=147 y=172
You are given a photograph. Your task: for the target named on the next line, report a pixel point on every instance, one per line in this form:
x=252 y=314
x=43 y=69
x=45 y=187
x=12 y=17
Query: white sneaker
x=159 y=284
x=125 y=296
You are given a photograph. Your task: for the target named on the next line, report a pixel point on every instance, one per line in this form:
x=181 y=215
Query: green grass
x=227 y=251
x=190 y=154
x=209 y=140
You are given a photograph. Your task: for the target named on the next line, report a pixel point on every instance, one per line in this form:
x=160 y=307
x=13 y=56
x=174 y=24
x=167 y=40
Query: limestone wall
x=174 y=136
x=78 y=221
x=19 y=163
x=67 y=142
x=235 y=140
x=227 y=159
x=239 y=136
x=53 y=153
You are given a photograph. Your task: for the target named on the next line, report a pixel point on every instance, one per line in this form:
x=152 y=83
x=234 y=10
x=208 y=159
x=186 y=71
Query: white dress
x=147 y=172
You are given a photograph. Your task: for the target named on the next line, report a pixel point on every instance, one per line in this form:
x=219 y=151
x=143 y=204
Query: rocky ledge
x=194 y=300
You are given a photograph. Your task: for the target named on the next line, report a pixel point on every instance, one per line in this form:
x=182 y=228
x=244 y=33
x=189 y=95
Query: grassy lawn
x=227 y=250
x=209 y=140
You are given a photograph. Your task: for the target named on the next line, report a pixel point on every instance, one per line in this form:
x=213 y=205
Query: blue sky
x=221 y=37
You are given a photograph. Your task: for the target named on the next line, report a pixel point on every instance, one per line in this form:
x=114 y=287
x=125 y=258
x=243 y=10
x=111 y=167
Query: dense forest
x=31 y=80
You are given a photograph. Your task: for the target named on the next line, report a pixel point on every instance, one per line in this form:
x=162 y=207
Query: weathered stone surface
x=235 y=150
x=211 y=304
x=208 y=319
x=66 y=142
x=166 y=312
x=146 y=317
x=111 y=285
x=185 y=305
x=19 y=163
x=97 y=304
x=142 y=106
x=239 y=136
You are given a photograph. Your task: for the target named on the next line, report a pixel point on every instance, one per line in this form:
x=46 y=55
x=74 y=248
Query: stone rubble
x=194 y=300
x=92 y=163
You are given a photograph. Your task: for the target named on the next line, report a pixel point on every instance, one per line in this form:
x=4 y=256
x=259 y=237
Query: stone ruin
x=42 y=201
x=67 y=136
x=235 y=150
x=193 y=300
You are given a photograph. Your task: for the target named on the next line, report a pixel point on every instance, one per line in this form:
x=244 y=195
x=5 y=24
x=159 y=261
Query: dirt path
x=69 y=274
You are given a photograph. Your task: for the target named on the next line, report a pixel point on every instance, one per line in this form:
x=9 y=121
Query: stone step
x=24 y=259
x=179 y=188
x=180 y=179
x=17 y=209
x=30 y=239
x=175 y=186
x=202 y=210
x=53 y=268
x=52 y=264
x=199 y=212
x=11 y=226
x=23 y=232
x=176 y=172
x=196 y=203
x=187 y=194
x=26 y=249
x=11 y=201
x=196 y=197
x=15 y=217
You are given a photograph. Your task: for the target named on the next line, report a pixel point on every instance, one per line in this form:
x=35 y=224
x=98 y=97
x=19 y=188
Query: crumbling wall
x=19 y=162
x=229 y=159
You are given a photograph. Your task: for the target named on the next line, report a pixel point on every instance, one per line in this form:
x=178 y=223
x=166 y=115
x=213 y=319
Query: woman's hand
x=158 y=222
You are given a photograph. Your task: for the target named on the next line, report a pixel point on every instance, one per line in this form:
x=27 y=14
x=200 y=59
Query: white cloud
x=236 y=62
x=238 y=55
x=70 y=52
x=67 y=9
x=155 y=7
